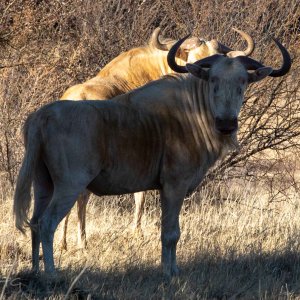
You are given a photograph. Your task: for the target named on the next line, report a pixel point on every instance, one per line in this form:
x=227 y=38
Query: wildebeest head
x=227 y=77
x=194 y=48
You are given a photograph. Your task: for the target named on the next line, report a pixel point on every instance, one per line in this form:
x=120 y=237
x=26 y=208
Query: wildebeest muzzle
x=226 y=126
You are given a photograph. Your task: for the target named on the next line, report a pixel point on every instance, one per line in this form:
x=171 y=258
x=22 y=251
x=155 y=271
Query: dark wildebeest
x=132 y=69
x=164 y=135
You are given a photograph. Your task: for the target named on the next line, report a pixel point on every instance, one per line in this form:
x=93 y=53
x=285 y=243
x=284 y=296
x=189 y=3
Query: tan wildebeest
x=164 y=135
x=128 y=71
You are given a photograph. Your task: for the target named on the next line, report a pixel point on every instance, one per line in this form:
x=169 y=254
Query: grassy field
x=239 y=244
x=240 y=232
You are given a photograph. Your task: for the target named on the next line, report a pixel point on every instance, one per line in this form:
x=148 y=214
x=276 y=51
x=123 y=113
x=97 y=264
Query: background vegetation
x=240 y=231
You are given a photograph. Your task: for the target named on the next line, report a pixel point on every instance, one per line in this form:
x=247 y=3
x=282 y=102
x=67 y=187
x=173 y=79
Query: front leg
x=171 y=201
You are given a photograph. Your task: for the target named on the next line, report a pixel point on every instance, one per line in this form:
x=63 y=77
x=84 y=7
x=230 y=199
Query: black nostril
x=226 y=126
x=226 y=122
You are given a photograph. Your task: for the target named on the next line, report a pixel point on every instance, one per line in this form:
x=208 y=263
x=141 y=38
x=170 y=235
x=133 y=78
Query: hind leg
x=43 y=190
x=63 y=245
x=64 y=197
x=81 y=213
x=139 y=199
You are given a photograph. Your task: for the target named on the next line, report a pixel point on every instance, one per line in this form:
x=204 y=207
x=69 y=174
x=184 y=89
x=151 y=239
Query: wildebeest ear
x=259 y=74
x=197 y=71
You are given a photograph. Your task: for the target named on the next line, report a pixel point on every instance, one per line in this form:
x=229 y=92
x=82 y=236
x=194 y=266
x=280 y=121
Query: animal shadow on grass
x=205 y=276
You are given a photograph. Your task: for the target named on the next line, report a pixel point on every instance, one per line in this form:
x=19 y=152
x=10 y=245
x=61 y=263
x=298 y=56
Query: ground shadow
x=205 y=276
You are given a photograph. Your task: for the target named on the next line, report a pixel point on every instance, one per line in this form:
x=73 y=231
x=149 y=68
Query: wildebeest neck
x=184 y=106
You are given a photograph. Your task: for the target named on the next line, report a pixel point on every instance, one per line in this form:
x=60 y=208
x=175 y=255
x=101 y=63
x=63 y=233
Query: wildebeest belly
x=117 y=183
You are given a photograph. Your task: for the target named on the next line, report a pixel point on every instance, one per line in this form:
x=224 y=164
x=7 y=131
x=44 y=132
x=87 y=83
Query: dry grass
x=238 y=244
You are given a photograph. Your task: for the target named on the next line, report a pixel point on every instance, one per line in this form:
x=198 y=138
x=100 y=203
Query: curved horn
x=172 y=54
x=155 y=40
x=287 y=61
x=252 y=64
x=249 y=40
x=250 y=44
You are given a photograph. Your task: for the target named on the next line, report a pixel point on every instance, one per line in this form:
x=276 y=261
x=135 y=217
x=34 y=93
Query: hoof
x=169 y=274
x=82 y=248
x=36 y=271
x=136 y=229
x=175 y=271
x=51 y=275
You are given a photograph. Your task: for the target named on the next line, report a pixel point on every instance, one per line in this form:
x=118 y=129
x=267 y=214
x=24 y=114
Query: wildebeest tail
x=22 y=195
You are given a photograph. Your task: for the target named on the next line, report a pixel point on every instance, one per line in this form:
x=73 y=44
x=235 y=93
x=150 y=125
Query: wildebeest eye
x=216 y=88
